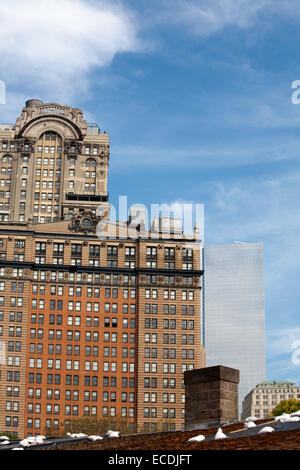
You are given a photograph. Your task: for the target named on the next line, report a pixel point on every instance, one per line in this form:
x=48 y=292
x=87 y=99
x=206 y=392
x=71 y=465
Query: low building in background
x=266 y=395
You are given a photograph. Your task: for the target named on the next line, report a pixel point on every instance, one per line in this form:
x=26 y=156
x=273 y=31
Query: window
x=90 y=162
x=129 y=252
x=112 y=251
x=151 y=252
x=169 y=253
x=94 y=250
x=187 y=254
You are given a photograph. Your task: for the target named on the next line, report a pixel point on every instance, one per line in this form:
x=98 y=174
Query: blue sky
x=196 y=98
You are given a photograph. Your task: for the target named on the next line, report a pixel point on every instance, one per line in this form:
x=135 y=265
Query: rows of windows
x=48 y=149
x=94 y=252
x=44 y=184
x=95 y=306
x=169 y=353
x=13 y=331
x=75 y=380
x=108 y=279
x=167 y=382
x=169 y=309
x=167 y=367
x=287 y=390
x=13 y=301
x=154 y=427
x=78 y=277
x=88 y=381
x=166 y=413
x=70 y=349
x=6 y=169
x=95 y=366
x=77 y=334
x=16 y=272
x=90 y=395
x=47 y=176
x=168 y=324
x=50 y=137
x=170 y=338
x=168 y=294
x=77 y=306
x=70 y=364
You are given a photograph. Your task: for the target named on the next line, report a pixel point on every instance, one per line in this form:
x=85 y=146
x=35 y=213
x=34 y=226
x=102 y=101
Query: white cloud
x=281 y=342
x=261 y=210
x=205 y=17
x=258 y=208
x=207 y=155
x=55 y=45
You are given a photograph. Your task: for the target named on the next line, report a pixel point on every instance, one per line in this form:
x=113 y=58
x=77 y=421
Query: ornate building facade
x=90 y=325
x=52 y=162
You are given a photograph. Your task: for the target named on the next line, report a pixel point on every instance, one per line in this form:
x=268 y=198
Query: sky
x=197 y=98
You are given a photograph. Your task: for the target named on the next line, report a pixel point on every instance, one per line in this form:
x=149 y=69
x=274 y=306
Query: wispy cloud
x=224 y=128
x=212 y=155
x=282 y=344
x=206 y=17
x=259 y=208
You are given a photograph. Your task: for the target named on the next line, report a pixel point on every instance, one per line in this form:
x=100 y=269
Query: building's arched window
x=7 y=159
x=50 y=143
x=91 y=162
x=50 y=136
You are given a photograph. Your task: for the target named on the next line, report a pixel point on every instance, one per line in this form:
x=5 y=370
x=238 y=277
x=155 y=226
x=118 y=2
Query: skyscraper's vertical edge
x=263 y=323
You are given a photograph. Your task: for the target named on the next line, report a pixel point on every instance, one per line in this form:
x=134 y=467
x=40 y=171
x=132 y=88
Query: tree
x=286 y=406
x=10 y=435
x=91 y=425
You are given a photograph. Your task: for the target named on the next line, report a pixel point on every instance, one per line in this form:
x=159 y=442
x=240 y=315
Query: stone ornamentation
x=85 y=222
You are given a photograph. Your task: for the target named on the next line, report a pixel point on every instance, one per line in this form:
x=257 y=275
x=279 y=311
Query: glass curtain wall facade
x=234 y=311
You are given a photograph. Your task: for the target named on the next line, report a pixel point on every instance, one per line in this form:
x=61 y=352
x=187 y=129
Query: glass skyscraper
x=233 y=323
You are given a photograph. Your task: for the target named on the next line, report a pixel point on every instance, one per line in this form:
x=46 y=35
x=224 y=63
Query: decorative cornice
x=101 y=269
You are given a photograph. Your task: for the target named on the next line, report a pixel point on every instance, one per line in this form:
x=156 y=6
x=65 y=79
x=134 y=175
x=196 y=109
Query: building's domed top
x=32 y=103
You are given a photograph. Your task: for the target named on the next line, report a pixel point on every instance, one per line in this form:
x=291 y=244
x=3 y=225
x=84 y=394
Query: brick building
x=90 y=325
